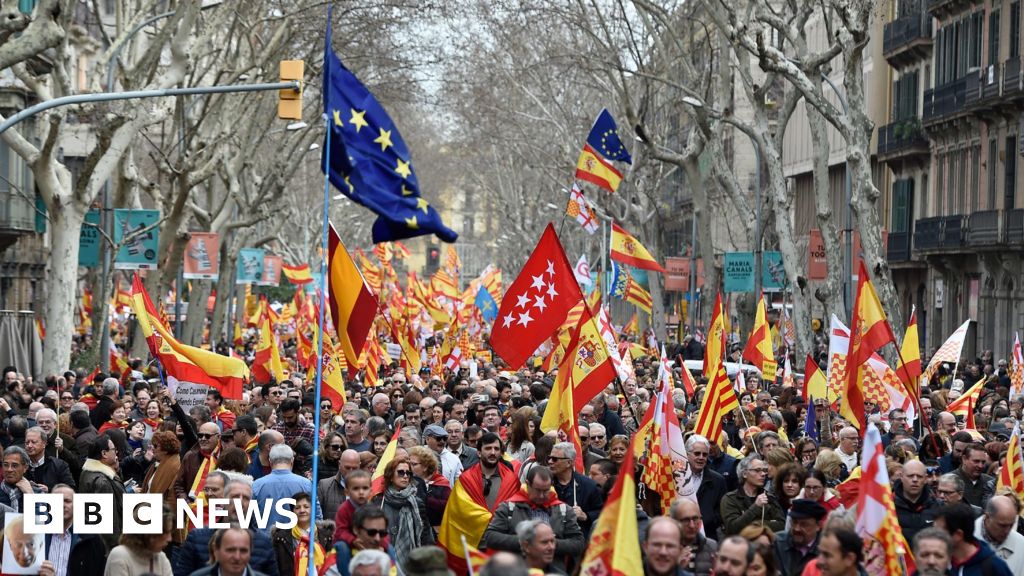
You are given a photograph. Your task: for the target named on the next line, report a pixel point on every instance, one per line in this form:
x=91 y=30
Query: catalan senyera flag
x=628 y=250
x=632 y=328
x=759 y=346
x=352 y=304
x=814 y=382
x=719 y=400
x=1011 y=475
x=298 y=275
x=378 y=482
x=267 y=363
x=909 y=371
x=636 y=294
x=183 y=362
x=444 y=284
x=964 y=404
x=614 y=547
x=869 y=331
x=876 y=512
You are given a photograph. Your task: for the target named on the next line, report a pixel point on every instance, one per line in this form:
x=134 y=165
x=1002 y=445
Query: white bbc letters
x=93 y=513
x=143 y=514
x=44 y=513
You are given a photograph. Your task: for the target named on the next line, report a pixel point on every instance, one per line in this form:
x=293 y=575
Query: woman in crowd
x=425 y=467
x=816 y=488
x=787 y=483
x=141 y=554
x=806 y=450
x=759 y=534
x=234 y=459
x=160 y=477
x=519 y=446
x=367 y=462
x=154 y=416
x=405 y=509
x=291 y=547
x=140 y=454
x=379 y=442
x=617 y=448
x=118 y=418
x=763 y=563
x=831 y=466
x=331 y=448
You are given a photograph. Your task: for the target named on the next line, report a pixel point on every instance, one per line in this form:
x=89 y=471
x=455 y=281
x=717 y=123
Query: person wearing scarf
x=424 y=466
x=139 y=457
x=291 y=547
x=153 y=418
x=198 y=463
x=118 y=418
x=403 y=502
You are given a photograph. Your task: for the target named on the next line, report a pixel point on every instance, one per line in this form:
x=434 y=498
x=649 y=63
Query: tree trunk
x=707 y=252
x=192 y=331
x=225 y=290
x=65 y=226
x=831 y=292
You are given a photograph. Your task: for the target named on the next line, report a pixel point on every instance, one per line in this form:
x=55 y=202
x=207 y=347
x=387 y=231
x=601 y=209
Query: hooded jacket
x=984 y=562
x=501 y=532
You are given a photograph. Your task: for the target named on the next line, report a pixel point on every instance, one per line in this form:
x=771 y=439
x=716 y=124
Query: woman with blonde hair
x=829 y=464
x=758 y=534
x=425 y=467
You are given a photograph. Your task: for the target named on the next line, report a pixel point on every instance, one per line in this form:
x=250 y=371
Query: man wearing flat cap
x=796 y=546
x=436 y=439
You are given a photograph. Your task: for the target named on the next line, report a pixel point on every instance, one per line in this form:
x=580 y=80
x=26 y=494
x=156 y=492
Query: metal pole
x=848 y=219
x=691 y=307
x=106 y=221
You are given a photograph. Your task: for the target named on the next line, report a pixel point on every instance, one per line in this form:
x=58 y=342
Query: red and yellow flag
x=614 y=547
x=964 y=404
x=714 y=350
x=628 y=250
x=869 y=331
x=719 y=400
x=876 y=512
x=909 y=371
x=298 y=275
x=378 y=482
x=1011 y=475
x=814 y=381
x=267 y=365
x=759 y=347
x=183 y=362
x=353 y=306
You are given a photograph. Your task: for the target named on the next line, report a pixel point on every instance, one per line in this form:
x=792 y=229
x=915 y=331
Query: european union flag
x=604 y=139
x=368 y=160
x=811 y=422
x=487 y=305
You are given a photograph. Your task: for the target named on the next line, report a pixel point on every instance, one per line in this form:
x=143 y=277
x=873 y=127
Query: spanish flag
x=909 y=371
x=186 y=363
x=332 y=379
x=352 y=303
x=869 y=331
x=298 y=275
x=628 y=250
x=591 y=167
x=466 y=515
x=615 y=541
x=759 y=347
x=267 y=363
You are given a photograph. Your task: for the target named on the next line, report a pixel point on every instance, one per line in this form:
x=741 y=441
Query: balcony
x=944 y=102
x=903 y=140
x=990 y=83
x=944 y=8
x=1012 y=78
x=1014 y=233
x=939 y=234
x=17 y=216
x=983 y=228
x=898 y=248
x=907 y=39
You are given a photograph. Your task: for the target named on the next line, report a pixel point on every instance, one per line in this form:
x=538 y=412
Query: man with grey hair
x=260 y=466
x=58 y=445
x=573 y=488
x=105 y=403
x=950 y=490
x=708 y=485
x=370 y=563
x=44 y=470
x=749 y=503
x=603 y=415
x=504 y=564
x=537 y=540
x=281 y=482
x=933 y=552
x=848 y=449
x=15 y=485
x=598 y=437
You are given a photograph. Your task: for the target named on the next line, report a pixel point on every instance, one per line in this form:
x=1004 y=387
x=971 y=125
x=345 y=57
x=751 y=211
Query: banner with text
x=271 y=275
x=202 y=256
x=817 y=267
x=139 y=237
x=89 y=240
x=738 y=272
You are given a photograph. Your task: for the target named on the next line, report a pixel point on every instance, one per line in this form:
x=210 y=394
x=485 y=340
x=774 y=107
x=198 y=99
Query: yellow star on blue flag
x=367 y=160
x=487 y=305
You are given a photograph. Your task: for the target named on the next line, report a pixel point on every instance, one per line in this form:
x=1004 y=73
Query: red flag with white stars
x=536 y=303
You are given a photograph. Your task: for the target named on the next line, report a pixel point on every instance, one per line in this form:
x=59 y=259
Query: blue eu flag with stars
x=604 y=139
x=368 y=161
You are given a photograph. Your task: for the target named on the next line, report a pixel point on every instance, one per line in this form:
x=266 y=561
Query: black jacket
x=101 y=413
x=914 y=516
x=50 y=473
x=88 y=554
x=725 y=465
x=709 y=497
x=586 y=495
x=788 y=557
x=612 y=424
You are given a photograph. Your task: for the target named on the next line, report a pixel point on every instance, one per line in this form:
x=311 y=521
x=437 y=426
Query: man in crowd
x=849 y=447
x=83 y=431
x=15 y=484
x=734 y=556
x=537 y=540
x=750 y=502
x=710 y=485
x=58 y=445
x=840 y=553
x=355 y=431
x=971 y=557
x=950 y=490
x=281 y=482
x=198 y=462
x=933 y=552
x=797 y=546
x=997 y=528
x=245 y=434
x=220 y=415
x=702 y=548
x=436 y=438
x=70 y=553
x=330 y=492
x=260 y=465
x=100 y=414
x=44 y=470
x=574 y=488
x=99 y=476
x=610 y=420
x=915 y=505
x=978 y=486
x=467 y=454
x=951 y=461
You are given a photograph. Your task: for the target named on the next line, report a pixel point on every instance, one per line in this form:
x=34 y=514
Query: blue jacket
x=585 y=494
x=194 y=553
x=983 y=563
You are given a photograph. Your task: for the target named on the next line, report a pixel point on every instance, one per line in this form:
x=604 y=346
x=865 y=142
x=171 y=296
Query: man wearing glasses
x=198 y=462
x=273 y=395
x=370 y=527
x=708 y=484
x=848 y=449
x=750 y=503
x=467 y=454
x=702 y=549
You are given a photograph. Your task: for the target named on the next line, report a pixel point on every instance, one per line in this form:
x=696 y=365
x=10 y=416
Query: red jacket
x=343 y=525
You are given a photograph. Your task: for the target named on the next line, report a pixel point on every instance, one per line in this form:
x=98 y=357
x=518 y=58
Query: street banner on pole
x=138 y=251
x=202 y=256
x=817 y=268
x=738 y=272
x=89 y=240
x=773 y=275
x=271 y=275
x=250 y=266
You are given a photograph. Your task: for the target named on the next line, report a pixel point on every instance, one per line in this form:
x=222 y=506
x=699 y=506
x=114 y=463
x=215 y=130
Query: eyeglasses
x=325 y=406
x=67 y=397
x=597 y=436
x=336 y=447
x=204 y=436
x=689 y=520
x=374 y=532
x=403 y=473
x=808 y=488
x=759 y=470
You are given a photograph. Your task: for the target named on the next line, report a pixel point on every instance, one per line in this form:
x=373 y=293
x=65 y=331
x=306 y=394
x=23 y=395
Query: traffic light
x=433 y=259
x=289 y=101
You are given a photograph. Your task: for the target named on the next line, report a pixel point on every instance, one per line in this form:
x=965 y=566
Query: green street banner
x=135 y=231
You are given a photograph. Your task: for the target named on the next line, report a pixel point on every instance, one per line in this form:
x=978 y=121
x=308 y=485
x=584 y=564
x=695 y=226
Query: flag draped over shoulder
x=869 y=331
x=466 y=515
x=183 y=362
x=353 y=305
x=369 y=161
x=614 y=547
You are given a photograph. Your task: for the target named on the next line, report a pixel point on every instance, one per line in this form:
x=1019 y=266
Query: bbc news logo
x=141 y=514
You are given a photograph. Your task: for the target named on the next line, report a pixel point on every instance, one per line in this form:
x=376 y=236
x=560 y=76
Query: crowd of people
x=765 y=497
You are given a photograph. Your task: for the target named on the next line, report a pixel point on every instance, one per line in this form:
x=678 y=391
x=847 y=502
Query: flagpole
x=324 y=252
